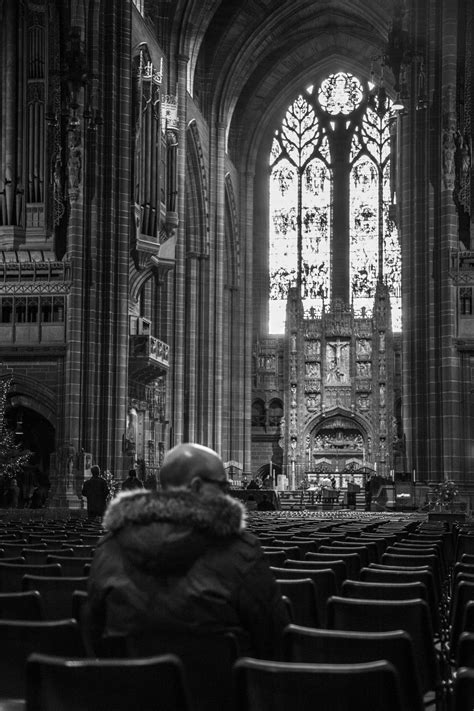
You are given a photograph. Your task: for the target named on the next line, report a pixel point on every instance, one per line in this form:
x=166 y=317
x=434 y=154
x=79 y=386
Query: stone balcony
x=148 y=359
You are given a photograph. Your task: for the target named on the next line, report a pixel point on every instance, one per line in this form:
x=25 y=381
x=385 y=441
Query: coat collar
x=219 y=516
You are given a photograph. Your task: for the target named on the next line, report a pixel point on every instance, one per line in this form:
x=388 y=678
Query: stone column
x=177 y=345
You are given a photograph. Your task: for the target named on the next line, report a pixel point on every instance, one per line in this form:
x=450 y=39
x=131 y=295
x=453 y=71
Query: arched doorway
x=36 y=434
x=336 y=444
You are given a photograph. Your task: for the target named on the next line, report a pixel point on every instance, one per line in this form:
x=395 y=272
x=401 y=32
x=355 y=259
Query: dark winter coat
x=180 y=562
x=130 y=483
x=96 y=492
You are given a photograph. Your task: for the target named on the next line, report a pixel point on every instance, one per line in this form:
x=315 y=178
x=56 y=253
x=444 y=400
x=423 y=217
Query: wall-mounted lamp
x=19 y=424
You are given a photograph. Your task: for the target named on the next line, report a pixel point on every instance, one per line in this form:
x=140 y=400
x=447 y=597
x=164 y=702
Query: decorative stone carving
x=449 y=149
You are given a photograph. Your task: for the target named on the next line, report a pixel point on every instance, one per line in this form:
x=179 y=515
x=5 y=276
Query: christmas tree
x=12 y=455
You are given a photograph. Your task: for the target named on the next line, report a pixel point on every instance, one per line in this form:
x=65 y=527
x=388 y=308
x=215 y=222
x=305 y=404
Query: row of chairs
x=298 y=677
x=402 y=576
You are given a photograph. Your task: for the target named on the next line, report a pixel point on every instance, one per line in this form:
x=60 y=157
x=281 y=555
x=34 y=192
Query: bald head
x=186 y=462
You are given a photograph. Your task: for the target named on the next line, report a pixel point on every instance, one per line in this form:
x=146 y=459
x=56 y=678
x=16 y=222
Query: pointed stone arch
x=27 y=392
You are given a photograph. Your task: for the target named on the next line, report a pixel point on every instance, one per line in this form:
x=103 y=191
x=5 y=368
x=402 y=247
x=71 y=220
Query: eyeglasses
x=223 y=484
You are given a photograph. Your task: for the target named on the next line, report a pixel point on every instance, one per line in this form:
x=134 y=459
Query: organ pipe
x=147 y=188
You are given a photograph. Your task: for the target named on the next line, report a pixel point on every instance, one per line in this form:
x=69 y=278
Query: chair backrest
x=316 y=646
x=56 y=593
x=274 y=556
x=338 y=567
x=324 y=580
x=463 y=691
x=412 y=616
x=21 y=606
x=21 y=638
x=465 y=650
x=279 y=686
x=365 y=555
x=70 y=565
x=375 y=547
x=410 y=549
x=289 y=607
x=464 y=544
x=200 y=653
x=336 y=549
x=306 y=545
x=102 y=684
x=39 y=556
x=352 y=560
x=302 y=595
x=11 y=575
x=383 y=591
x=289 y=550
x=80 y=550
x=430 y=560
x=13 y=549
x=402 y=575
x=463 y=593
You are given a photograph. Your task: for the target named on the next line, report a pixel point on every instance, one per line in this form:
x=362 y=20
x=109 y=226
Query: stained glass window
x=300 y=186
x=341 y=119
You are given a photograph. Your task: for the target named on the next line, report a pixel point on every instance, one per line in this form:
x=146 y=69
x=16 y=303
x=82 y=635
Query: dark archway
x=37 y=435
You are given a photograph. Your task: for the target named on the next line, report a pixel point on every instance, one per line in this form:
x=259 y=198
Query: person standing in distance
x=96 y=492
x=132 y=481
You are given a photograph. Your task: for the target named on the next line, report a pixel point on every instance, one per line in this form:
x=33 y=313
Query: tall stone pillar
x=177 y=301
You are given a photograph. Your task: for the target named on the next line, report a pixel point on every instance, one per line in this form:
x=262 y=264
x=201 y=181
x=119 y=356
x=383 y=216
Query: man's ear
x=195 y=485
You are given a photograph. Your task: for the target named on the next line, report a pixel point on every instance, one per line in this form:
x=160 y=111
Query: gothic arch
x=232 y=236
x=318 y=421
x=28 y=392
x=138 y=279
x=197 y=195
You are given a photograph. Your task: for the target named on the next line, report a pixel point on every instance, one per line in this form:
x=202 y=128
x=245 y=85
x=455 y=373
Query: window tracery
x=341 y=118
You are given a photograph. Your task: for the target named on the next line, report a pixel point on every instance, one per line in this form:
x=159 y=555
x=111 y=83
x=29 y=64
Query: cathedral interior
x=241 y=223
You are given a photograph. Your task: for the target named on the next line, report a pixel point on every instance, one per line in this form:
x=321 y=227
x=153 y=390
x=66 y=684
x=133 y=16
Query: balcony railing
x=149 y=357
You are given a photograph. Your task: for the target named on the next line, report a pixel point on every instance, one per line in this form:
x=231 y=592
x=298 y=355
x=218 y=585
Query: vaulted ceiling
x=248 y=58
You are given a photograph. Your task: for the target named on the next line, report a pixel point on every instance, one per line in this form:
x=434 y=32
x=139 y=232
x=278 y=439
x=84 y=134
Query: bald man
x=179 y=560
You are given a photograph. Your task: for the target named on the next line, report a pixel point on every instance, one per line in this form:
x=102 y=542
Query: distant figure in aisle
x=96 y=492
x=253 y=484
x=267 y=482
x=266 y=504
x=352 y=489
x=13 y=494
x=132 y=481
x=368 y=493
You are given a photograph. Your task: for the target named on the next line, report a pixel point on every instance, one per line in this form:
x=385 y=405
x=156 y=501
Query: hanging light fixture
x=19 y=424
x=378 y=94
x=400 y=54
x=398 y=104
x=422 y=99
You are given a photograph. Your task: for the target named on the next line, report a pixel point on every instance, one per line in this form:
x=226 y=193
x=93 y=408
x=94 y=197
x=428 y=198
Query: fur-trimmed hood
x=169 y=529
